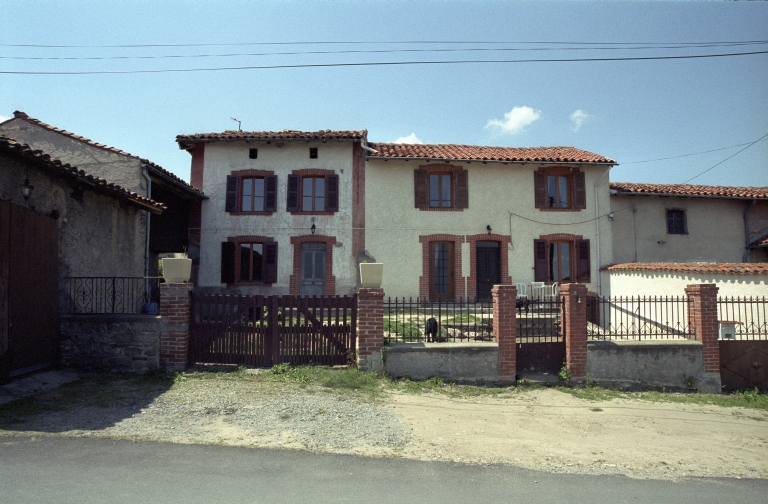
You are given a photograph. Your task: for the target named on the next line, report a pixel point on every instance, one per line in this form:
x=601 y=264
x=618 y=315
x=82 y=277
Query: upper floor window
x=559 y=188
x=313 y=194
x=676 y=222
x=441 y=187
x=251 y=191
x=313 y=191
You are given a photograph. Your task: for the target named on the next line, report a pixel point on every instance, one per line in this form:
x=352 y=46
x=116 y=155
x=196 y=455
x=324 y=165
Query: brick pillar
x=370 y=329
x=574 y=297
x=174 y=325
x=505 y=329
x=702 y=317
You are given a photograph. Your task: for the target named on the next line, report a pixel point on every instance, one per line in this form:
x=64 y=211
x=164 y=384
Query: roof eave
x=619 y=192
x=502 y=161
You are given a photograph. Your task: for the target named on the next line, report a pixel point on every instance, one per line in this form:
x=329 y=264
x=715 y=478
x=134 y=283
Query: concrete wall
x=463 y=362
x=119 y=343
x=715 y=229
x=674 y=364
x=673 y=283
x=221 y=159
x=496 y=192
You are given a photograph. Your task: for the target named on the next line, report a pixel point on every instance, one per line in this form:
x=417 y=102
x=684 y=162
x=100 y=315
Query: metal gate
x=540 y=336
x=263 y=331
x=29 y=277
x=744 y=364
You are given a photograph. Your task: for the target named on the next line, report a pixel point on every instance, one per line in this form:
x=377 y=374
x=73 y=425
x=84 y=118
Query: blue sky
x=630 y=111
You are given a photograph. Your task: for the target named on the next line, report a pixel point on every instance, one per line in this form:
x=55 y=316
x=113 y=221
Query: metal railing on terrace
x=638 y=318
x=410 y=320
x=119 y=295
x=749 y=315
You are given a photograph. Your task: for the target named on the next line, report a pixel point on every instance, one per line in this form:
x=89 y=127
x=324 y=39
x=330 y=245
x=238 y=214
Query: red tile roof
x=14 y=148
x=187 y=141
x=451 y=152
x=695 y=267
x=160 y=169
x=691 y=190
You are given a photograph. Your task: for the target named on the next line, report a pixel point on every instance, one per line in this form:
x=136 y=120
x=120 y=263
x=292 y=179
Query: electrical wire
x=726 y=159
x=687 y=155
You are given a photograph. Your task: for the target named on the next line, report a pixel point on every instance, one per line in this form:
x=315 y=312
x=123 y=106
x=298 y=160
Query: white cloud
x=410 y=139
x=515 y=120
x=3 y=118
x=578 y=118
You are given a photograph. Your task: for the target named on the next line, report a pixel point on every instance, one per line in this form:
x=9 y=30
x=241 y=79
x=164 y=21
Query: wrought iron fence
x=638 y=318
x=126 y=295
x=748 y=314
x=417 y=319
x=539 y=320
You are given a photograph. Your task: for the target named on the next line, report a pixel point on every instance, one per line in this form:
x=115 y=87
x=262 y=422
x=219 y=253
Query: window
x=563 y=259
x=441 y=187
x=676 y=222
x=253 y=153
x=313 y=153
x=560 y=188
x=441 y=270
x=249 y=259
x=313 y=191
x=251 y=191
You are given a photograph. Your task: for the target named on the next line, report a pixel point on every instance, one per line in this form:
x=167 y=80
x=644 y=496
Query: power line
x=687 y=155
x=389 y=63
x=726 y=159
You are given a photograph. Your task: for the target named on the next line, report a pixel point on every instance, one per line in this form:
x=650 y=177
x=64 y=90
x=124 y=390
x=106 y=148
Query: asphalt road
x=84 y=471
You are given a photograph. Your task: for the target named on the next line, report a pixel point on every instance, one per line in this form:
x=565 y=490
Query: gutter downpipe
x=746 y=230
x=597 y=227
x=146 y=244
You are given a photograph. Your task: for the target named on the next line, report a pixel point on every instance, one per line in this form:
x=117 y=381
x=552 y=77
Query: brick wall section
x=505 y=329
x=702 y=317
x=575 y=325
x=174 y=325
x=370 y=325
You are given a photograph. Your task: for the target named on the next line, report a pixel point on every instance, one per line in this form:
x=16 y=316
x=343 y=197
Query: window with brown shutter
x=583 y=262
x=441 y=187
x=313 y=191
x=562 y=259
x=559 y=188
x=251 y=192
x=249 y=260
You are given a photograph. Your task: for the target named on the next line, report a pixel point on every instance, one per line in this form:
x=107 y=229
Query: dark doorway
x=313 y=269
x=488 y=267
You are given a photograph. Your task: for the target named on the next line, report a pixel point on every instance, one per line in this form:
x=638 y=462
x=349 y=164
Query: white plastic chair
x=522 y=290
x=555 y=291
x=536 y=290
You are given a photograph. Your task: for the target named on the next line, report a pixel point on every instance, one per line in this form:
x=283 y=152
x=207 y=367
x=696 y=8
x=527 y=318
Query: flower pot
x=370 y=274
x=177 y=269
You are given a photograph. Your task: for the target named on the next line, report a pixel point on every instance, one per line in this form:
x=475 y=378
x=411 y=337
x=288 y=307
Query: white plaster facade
x=501 y=195
x=673 y=283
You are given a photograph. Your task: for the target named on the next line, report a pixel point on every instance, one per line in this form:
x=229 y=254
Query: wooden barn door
x=29 y=320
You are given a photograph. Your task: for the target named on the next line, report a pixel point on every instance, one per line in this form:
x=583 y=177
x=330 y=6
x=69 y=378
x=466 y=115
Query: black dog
x=431 y=329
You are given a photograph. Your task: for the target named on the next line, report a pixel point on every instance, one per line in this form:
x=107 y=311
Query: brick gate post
x=702 y=318
x=370 y=329
x=505 y=329
x=574 y=298
x=174 y=325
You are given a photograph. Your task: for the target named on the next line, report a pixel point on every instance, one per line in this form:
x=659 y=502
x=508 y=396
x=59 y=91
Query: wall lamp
x=313 y=229
x=488 y=228
x=26 y=189
x=578 y=298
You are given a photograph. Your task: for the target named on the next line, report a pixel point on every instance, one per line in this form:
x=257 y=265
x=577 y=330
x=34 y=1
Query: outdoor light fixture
x=578 y=298
x=313 y=229
x=26 y=189
x=488 y=228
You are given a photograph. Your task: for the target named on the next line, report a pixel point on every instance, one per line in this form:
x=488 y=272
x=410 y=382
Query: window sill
x=311 y=213
x=440 y=209
x=561 y=209
x=262 y=213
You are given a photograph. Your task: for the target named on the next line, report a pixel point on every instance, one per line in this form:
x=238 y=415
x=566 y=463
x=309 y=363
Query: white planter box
x=370 y=274
x=177 y=269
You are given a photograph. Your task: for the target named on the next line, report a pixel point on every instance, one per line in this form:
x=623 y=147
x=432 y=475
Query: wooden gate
x=540 y=336
x=263 y=331
x=744 y=364
x=29 y=324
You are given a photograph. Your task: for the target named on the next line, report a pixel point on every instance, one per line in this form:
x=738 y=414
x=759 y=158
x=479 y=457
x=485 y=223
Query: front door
x=488 y=268
x=313 y=269
x=441 y=271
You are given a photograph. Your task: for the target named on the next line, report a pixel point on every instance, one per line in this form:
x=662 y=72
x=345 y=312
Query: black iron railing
x=126 y=295
x=638 y=318
x=539 y=320
x=417 y=319
x=749 y=316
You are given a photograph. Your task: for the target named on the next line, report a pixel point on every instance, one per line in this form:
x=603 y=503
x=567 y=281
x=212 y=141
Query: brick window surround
x=315 y=173
x=577 y=194
x=330 y=279
x=458 y=280
x=237 y=240
x=459 y=187
x=251 y=173
x=503 y=260
x=574 y=240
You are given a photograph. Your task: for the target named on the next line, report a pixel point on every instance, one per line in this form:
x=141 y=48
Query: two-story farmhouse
x=286 y=210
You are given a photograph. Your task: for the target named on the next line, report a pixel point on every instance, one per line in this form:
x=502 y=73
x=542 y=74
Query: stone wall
x=461 y=362
x=119 y=343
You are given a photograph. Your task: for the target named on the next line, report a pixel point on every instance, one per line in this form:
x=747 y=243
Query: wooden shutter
x=540 y=190
x=331 y=193
x=420 y=180
x=462 y=189
x=293 y=193
x=583 y=263
x=270 y=262
x=232 y=196
x=228 y=251
x=540 y=261
x=270 y=193
x=579 y=191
